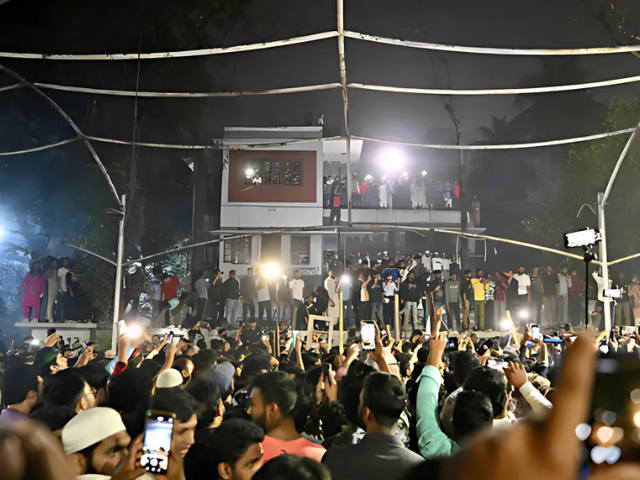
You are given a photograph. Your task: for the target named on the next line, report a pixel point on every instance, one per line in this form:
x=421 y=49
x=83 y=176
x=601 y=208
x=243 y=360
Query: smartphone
x=611 y=435
x=368 y=334
x=567 y=327
x=170 y=338
x=452 y=344
x=535 y=331
x=158 y=431
x=497 y=364
x=84 y=345
x=264 y=337
x=122 y=328
x=627 y=331
x=326 y=368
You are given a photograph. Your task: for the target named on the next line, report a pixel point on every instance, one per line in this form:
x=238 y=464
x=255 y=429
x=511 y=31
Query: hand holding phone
x=368 y=334
x=156 y=448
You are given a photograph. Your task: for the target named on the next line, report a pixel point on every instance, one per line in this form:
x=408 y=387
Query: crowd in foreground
x=427 y=407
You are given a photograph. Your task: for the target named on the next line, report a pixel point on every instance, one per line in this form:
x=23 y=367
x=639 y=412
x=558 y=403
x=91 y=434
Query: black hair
x=472 y=412
x=490 y=382
x=461 y=364
x=226 y=444
x=292 y=467
x=150 y=367
x=291 y=369
x=206 y=395
x=129 y=389
x=350 y=387
x=94 y=375
x=278 y=388
x=255 y=364
x=18 y=382
x=55 y=417
x=64 y=389
x=175 y=401
x=217 y=344
x=309 y=359
x=385 y=397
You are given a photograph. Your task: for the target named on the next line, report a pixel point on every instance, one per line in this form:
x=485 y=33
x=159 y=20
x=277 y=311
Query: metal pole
x=396 y=312
x=349 y=190
x=603 y=258
x=586 y=294
x=118 y=286
x=341 y=325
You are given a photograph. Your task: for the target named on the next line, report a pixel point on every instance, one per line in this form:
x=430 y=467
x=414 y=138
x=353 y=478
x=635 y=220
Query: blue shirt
x=395 y=274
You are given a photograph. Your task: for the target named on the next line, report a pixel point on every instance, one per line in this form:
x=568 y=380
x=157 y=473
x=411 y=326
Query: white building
x=269 y=193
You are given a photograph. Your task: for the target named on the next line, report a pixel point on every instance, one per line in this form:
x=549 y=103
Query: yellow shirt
x=478 y=288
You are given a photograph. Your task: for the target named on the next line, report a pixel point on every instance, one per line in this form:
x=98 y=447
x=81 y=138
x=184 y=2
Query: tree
x=587 y=172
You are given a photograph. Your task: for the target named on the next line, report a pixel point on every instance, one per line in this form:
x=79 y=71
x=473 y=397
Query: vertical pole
x=396 y=313
x=345 y=98
x=341 y=325
x=604 y=259
x=586 y=294
x=118 y=286
x=277 y=340
x=349 y=191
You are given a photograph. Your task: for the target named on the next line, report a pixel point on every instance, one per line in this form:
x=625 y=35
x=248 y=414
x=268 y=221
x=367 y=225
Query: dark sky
x=75 y=26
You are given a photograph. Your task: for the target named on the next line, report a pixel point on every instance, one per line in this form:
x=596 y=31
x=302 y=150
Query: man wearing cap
x=96 y=443
x=49 y=361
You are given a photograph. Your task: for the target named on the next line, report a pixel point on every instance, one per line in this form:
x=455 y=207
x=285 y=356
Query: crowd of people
x=440 y=404
x=380 y=290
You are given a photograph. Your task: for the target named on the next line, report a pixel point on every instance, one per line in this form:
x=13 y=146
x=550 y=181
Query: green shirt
x=432 y=441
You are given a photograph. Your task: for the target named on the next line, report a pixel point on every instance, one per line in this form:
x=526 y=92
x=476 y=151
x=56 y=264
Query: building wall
x=314 y=268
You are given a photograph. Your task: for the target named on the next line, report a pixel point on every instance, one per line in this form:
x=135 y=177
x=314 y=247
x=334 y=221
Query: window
x=300 y=249
x=238 y=251
x=272 y=172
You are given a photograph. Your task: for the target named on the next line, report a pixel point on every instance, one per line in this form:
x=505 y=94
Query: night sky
x=101 y=26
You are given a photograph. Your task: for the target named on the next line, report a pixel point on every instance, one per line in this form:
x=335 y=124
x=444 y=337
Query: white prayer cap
x=169 y=378
x=90 y=427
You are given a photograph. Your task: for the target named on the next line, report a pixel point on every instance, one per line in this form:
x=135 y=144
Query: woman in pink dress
x=34 y=285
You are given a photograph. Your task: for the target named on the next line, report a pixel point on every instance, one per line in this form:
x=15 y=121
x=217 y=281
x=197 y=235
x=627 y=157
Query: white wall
x=270 y=216
x=401 y=217
x=315 y=258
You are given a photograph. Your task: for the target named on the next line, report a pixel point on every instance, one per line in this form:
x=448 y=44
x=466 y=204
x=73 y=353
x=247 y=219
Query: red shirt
x=170 y=288
x=301 y=447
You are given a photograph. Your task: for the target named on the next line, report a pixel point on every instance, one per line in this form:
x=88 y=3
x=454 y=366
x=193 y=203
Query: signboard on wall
x=308 y=272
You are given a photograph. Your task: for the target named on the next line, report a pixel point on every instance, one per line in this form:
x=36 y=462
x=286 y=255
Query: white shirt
x=62 y=276
x=524 y=281
x=202 y=288
x=330 y=284
x=390 y=289
x=297 y=287
x=263 y=293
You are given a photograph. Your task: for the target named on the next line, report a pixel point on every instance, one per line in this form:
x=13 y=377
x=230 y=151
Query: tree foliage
x=585 y=173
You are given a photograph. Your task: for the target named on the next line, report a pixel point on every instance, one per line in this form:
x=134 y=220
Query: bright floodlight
x=134 y=331
x=505 y=324
x=249 y=172
x=271 y=271
x=345 y=280
x=424 y=173
x=392 y=159
x=523 y=314
x=582 y=238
